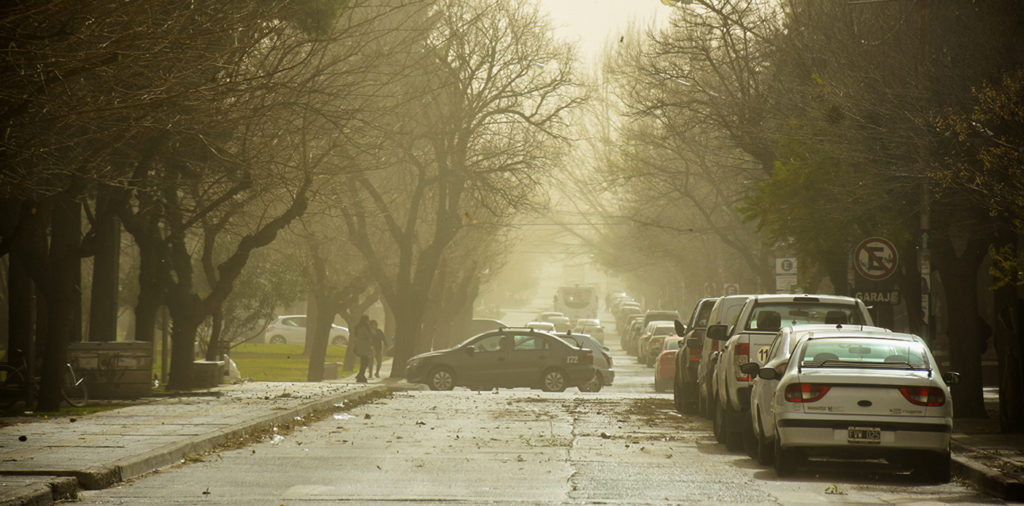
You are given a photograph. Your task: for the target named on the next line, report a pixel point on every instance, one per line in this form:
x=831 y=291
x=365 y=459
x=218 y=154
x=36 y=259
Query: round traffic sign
x=875 y=258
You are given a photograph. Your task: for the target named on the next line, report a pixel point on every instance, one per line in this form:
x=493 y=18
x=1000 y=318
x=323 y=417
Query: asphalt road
x=624 y=444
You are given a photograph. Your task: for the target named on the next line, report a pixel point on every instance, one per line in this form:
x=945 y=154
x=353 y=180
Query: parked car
x=748 y=340
x=590 y=326
x=481 y=325
x=684 y=382
x=602 y=360
x=541 y=326
x=632 y=331
x=510 y=357
x=665 y=364
x=667 y=315
x=861 y=394
x=650 y=343
x=291 y=329
x=725 y=311
x=546 y=316
x=561 y=323
x=762 y=390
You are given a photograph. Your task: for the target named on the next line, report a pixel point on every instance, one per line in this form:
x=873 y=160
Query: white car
x=858 y=393
x=591 y=326
x=749 y=339
x=542 y=326
x=291 y=329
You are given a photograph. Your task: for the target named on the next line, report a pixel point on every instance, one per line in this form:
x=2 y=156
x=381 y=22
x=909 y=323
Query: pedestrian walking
x=362 y=346
x=377 y=341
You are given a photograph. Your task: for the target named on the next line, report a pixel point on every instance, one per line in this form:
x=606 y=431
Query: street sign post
x=785 y=274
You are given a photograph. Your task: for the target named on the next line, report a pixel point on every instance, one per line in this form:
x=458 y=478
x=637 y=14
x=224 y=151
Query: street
x=624 y=444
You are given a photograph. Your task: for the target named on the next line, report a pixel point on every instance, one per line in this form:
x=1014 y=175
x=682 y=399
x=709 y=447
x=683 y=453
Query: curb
x=988 y=480
x=45 y=491
x=106 y=475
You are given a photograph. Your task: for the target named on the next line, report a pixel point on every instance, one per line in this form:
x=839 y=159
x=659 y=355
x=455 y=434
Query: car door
x=531 y=355
x=778 y=359
x=488 y=362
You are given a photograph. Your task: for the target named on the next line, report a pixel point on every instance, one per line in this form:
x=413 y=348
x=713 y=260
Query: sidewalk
x=50 y=459
x=991 y=461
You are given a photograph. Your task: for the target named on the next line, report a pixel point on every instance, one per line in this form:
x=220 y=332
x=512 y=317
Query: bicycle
x=15 y=385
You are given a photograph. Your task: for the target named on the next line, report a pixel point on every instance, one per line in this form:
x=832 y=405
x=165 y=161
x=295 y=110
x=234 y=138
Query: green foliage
x=1007 y=267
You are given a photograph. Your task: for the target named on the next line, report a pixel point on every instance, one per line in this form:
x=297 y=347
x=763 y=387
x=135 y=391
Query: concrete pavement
x=48 y=459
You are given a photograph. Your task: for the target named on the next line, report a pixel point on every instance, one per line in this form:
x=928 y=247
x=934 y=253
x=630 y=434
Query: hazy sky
x=590 y=22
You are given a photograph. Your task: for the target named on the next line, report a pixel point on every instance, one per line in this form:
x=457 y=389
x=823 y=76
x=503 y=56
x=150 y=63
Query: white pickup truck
x=748 y=340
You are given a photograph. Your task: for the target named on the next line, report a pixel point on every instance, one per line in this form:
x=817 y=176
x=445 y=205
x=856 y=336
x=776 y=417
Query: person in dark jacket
x=361 y=346
x=377 y=342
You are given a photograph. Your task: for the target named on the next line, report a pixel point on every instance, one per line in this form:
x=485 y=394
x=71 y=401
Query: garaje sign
x=875 y=258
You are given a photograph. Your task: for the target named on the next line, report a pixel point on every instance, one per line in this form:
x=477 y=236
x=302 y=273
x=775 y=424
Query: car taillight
x=805 y=392
x=741 y=356
x=694 y=354
x=607 y=358
x=924 y=396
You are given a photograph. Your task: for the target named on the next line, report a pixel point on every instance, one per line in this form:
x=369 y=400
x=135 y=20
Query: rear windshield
x=672 y=344
x=771 y=317
x=664 y=331
x=865 y=353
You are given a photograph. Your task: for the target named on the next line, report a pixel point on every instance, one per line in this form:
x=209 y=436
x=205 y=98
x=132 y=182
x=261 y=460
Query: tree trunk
x=150 y=291
x=105 y=276
x=21 y=304
x=318 y=332
x=960 y=278
x=185 y=321
x=62 y=293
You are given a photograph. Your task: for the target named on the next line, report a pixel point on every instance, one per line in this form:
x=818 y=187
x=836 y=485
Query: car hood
x=435 y=353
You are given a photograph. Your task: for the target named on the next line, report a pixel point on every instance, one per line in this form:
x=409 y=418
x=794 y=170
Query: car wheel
x=277 y=340
x=339 y=341
x=748 y=439
x=441 y=379
x=785 y=459
x=933 y=468
x=594 y=385
x=716 y=423
x=689 y=395
x=553 y=381
x=730 y=437
x=678 y=397
x=702 y=406
x=764 y=446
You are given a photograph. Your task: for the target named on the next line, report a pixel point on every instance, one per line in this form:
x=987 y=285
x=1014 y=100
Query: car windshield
x=864 y=353
x=772 y=317
x=672 y=344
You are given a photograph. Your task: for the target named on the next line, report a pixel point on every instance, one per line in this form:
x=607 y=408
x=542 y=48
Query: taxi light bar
x=924 y=396
x=806 y=392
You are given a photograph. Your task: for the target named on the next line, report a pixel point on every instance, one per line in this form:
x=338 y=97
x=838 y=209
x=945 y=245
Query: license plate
x=864 y=435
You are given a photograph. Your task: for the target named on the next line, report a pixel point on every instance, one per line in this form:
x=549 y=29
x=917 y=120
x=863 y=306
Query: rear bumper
x=607 y=376
x=826 y=435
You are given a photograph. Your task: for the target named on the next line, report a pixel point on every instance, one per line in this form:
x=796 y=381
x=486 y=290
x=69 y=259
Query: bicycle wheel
x=72 y=388
x=13 y=386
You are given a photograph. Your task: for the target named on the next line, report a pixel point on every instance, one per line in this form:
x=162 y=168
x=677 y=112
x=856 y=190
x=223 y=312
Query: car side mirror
x=718 y=332
x=750 y=368
x=951 y=378
x=680 y=328
x=767 y=373
x=693 y=343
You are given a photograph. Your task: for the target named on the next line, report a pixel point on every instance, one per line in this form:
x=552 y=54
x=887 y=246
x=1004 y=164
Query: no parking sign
x=875 y=258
